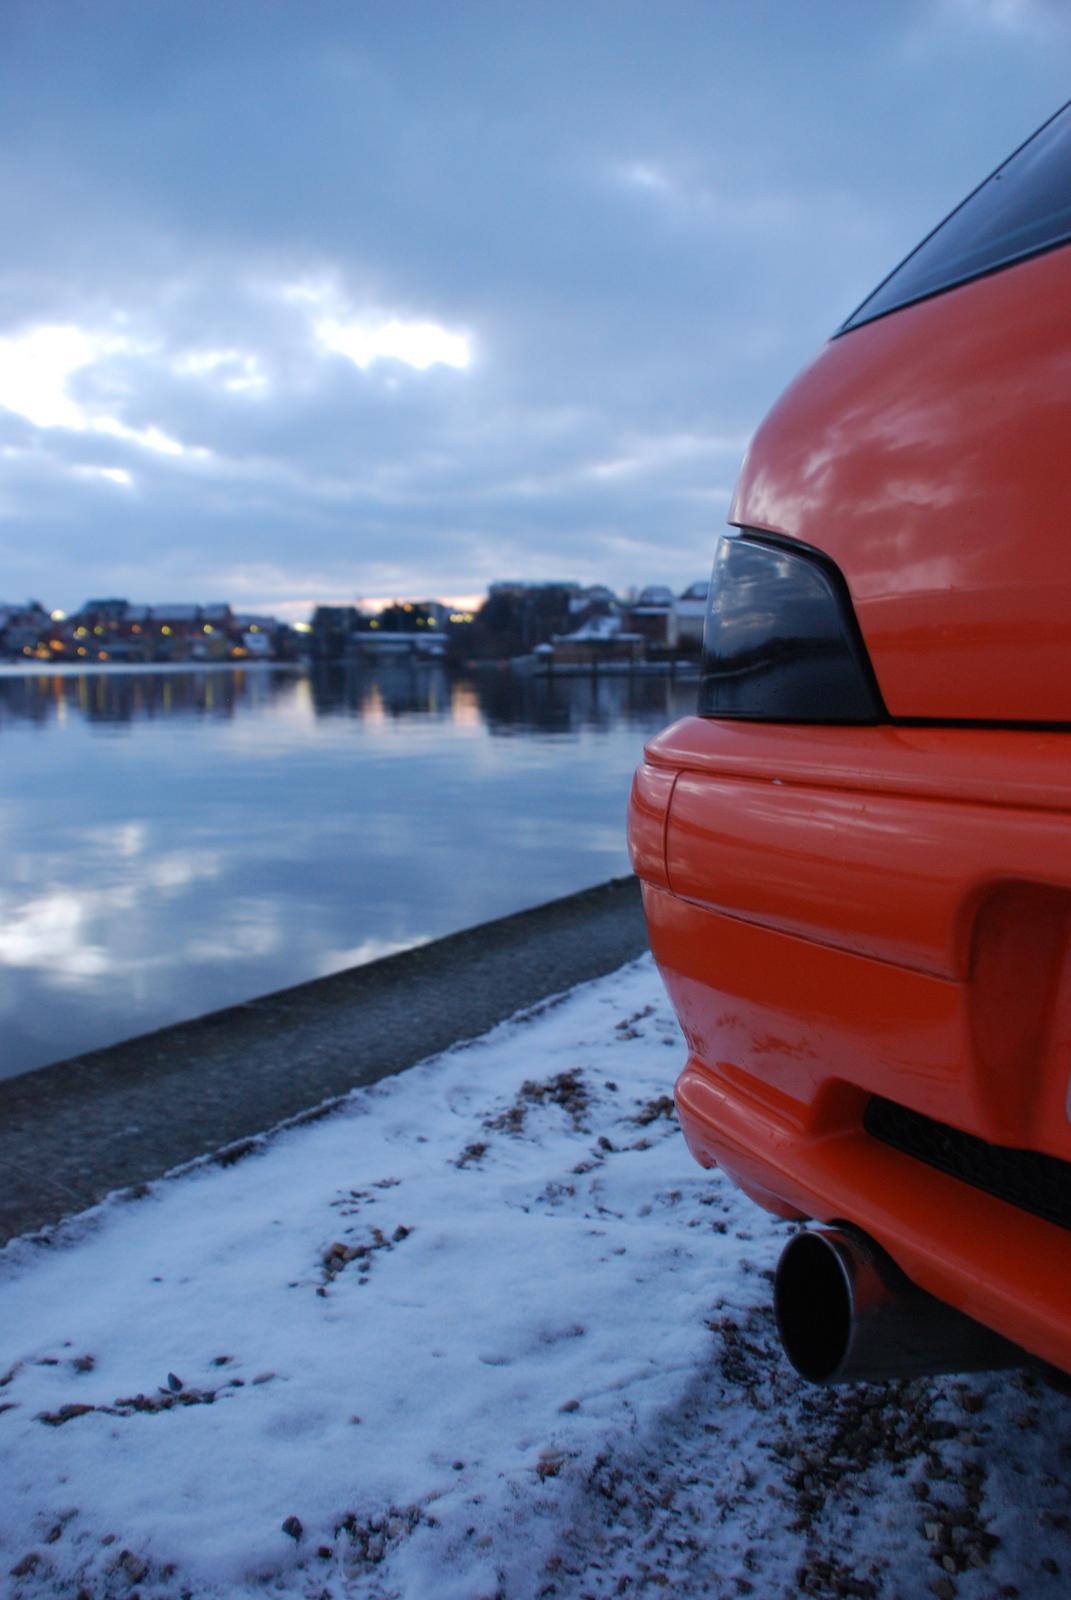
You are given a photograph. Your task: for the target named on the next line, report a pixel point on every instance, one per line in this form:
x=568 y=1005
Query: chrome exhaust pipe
x=847 y=1314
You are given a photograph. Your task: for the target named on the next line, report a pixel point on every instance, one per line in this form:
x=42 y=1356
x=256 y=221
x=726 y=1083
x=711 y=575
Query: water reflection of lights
x=373 y=709
x=465 y=706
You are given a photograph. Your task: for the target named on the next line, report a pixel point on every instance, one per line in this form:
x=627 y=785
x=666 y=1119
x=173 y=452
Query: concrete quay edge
x=120 y=1117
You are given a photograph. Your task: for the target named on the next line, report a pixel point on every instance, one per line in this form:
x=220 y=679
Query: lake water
x=175 y=841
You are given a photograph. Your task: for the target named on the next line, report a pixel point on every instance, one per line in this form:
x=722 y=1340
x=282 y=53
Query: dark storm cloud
x=642 y=219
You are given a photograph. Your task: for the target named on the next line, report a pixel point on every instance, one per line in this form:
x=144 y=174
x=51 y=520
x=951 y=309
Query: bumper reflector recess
x=1034 y=1182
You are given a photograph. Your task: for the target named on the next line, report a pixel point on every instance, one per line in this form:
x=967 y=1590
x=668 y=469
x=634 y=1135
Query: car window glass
x=1024 y=207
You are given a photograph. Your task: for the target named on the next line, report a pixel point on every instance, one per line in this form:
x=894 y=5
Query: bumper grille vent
x=1036 y=1183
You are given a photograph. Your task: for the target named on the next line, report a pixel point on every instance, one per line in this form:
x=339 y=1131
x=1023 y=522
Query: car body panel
x=883 y=840
x=927 y=454
x=839 y=913
x=992 y=1260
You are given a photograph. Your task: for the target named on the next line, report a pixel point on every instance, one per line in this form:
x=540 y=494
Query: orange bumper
x=848 y=913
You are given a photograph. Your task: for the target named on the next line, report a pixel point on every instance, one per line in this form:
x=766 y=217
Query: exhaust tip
x=846 y=1313
x=813 y=1305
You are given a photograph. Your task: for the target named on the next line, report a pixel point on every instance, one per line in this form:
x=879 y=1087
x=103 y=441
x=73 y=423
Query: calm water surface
x=173 y=842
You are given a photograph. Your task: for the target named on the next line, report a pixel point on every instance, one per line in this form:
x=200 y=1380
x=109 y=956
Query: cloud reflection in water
x=179 y=842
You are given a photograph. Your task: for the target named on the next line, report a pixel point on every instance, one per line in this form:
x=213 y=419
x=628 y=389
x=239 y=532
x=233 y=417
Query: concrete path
x=71 y=1133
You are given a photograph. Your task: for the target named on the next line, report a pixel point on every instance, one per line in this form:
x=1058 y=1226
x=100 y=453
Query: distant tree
x=512 y=623
x=497 y=630
x=546 y=613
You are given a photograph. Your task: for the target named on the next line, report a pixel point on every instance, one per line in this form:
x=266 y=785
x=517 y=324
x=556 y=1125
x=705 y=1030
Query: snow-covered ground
x=486 y=1330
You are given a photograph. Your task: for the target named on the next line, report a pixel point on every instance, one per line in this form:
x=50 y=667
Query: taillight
x=781 y=643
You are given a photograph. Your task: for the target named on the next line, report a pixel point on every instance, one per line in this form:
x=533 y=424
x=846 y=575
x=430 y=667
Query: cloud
x=415 y=344
x=36 y=372
x=328 y=304
x=35 y=368
x=236 y=371
x=375 y=335
x=1031 y=17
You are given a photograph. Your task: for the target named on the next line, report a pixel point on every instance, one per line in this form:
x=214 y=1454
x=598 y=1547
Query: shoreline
x=82 y=669
x=73 y=1132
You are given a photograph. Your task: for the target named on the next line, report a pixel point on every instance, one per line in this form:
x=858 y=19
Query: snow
x=484 y=1329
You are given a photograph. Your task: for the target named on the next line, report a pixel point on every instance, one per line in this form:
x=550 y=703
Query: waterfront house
x=691 y=612
x=653 y=616
x=174 y=628
x=601 y=640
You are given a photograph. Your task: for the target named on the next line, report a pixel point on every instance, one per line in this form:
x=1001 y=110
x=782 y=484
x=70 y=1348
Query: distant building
x=691 y=611
x=653 y=616
x=256 y=636
x=668 y=622
x=175 y=626
x=405 y=628
x=23 y=627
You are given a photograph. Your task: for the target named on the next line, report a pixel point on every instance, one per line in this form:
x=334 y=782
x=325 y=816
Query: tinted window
x=1023 y=208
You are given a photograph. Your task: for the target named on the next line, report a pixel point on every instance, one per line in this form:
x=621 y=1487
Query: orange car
x=856 y=859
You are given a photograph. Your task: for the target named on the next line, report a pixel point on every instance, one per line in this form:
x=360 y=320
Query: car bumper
x=850 y=916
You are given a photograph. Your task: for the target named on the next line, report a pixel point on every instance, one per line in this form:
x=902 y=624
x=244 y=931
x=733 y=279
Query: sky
x=339 y=301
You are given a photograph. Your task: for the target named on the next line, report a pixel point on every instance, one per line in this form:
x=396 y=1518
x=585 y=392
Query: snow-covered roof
x=594 y=628
x=176 y=613
x=655 y=594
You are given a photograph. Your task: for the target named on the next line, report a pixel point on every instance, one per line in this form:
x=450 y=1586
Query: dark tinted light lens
x=781 y=643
